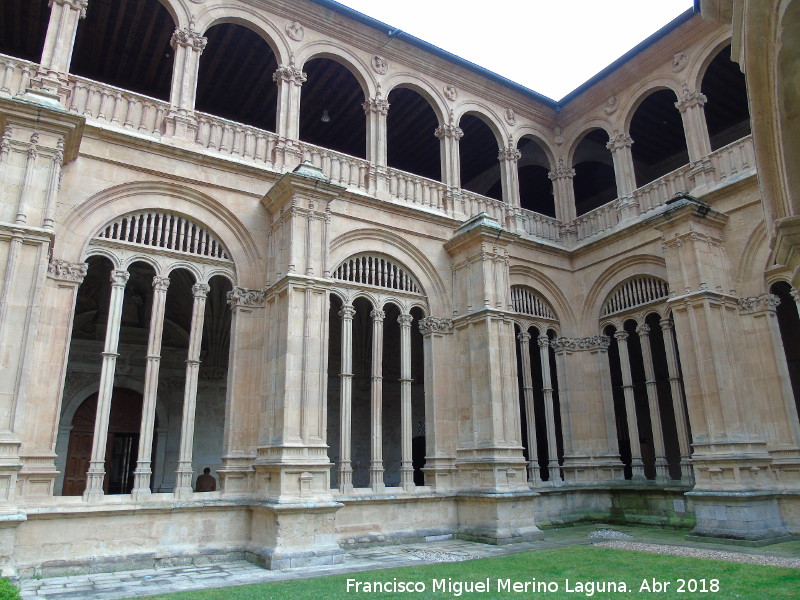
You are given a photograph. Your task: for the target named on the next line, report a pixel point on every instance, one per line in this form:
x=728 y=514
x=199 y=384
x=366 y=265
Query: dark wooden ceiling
x=727 y=112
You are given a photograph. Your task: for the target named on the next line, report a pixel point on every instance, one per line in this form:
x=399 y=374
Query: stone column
x=183 y=484
x=554 y=474
x=141 y=476
x=53 y=184
x=376 y=109
x=662 y=470
x=563 y=191
x=287 y=120
x=678 y=402
x=449 y=135
x=690 y=103
x=527 y=391
x=188 y=46
x=51 y=84
x=376 y=397
x=406 y=464
x=97 y=463
x=620 y=145
x=509 y=175
x=637 y=466
x=345 y=470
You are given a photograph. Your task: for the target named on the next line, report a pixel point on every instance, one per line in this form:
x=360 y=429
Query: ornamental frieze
x=63 y=270
x=245 y=298
x=595 y=342
x=757 y=304
x=435 y=325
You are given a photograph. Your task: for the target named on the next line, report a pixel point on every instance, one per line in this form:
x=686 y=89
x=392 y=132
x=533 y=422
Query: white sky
x=549 y=46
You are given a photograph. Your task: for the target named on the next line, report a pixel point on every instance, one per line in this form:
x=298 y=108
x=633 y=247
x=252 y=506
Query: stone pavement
x=147 y=582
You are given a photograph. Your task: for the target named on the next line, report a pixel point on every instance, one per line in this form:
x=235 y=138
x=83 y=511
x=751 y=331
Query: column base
x=236 y=475
x=746 y=518
x=288 y=536
x=440 y=472
x=593 y=470
x=498 y=518
x=293 y=474
x=492 y=470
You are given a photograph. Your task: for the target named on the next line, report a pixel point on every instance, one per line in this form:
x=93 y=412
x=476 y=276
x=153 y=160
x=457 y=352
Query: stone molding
x=62 y=270
x=757 y=304
x=595 y=342
x=430 y=325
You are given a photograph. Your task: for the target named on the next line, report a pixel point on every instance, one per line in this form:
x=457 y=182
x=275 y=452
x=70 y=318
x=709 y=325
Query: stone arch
x=347 y=59
x=581 y=131
x=749 y=277
x=81 y=224
x=422 y=87
x=641 y=93
x=550 y=291
x=538 y=138
x=392 y=245
x=485 y=114
x=703 y=56
x=239 y=14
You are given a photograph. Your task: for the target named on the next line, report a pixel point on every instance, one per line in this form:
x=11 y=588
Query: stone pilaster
x=180 y=122
x=563 y=192
x=50 y=84
x=376 y=109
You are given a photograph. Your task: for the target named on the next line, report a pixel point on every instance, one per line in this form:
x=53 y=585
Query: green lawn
x=578 y=565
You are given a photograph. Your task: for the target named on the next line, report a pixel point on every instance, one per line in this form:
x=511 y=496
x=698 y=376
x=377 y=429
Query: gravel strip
x=609 y=534
x=756 y=559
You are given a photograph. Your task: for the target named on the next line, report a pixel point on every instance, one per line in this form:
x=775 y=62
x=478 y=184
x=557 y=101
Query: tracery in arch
x=378 y=271
x=634 y=293
x=528 y=302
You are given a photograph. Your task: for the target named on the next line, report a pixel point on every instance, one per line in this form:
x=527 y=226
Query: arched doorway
x=121 y=447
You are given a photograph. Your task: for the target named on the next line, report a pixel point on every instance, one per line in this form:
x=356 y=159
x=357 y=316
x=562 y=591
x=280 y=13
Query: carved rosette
x=240 y=297
x=62 y=270
x=449 y=131
x=561 y=171
x=79 y=5
x=689 y=98
x=757 y=304
x=188 y=38
x=289 y=74
x=564 y=344
x=619 y=140
x=430 y=325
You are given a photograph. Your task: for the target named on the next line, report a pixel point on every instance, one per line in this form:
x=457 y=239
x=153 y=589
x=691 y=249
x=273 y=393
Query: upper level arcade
x=389 y=116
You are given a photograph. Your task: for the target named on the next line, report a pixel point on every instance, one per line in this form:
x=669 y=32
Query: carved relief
x=295 y=31
x=595 y=342
x=244 y=297
x=380 y=65
x=611 y=105
x=66 y=271
x=679 y=61
x=450 y=92
x=561 y=171
x=756 y=304
x=435 y=325
x=558 y=136
x=511 y=118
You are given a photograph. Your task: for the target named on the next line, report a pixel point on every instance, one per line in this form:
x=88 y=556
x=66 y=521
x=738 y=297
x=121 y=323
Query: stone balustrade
x=342 y=169
x=734 y=160
x=657 y=192
x=15 y=74
x=415 y=190
x=597 y=221
x=233 y=139
x=539 y=226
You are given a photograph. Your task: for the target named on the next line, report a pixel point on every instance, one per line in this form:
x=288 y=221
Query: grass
x=8 y=591
x=578 y=564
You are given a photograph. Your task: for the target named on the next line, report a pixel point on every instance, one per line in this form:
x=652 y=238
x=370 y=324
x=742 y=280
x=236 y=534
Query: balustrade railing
x=15 y=75
x=656 y=193
x=234 y=139
x=597 y=221
x=473 y=204
x=734 y=160
x=408 y=188
x=349 y=171
x=540 y=226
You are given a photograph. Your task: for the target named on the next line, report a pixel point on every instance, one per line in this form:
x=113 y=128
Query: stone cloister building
x=383 y=293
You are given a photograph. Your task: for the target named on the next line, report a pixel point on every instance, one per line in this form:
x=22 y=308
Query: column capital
x=666 y=324
x=757 y=304
x=119 y=277
x=289 y=74
x=643 y=330
x=160 y=284
x=795 y=294
x=200 y=290
x=347 y=312
x=79 y=5
x=67 y=271
x=689 y=98
x=543 y=341
x=619 y=140
x=377 y=105
x=449 y=132
x=509 y=153
x=244 y=297
x=188 y=38
x=377 y=315
x=524 y=337
x=562 y=171
x=430 y=325
x=621 y=336
x=405 y=320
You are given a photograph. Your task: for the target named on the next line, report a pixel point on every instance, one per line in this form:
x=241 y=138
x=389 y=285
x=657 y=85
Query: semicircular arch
x=341 y=55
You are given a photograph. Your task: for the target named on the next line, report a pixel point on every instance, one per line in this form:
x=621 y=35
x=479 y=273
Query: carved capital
x=621 y=336
x=689 y=98
x=524 y=337
x=435 y=325
x=160 y=284
x=188 y=38
x=347 y=313
x=449 y=131
x=289 y=74
x=119 y=278
x=562 y=171
x=757 y=304
x=244 y=297
x=377 y=105
x=200 y=290
x=543 y=341
x=510 y=154
x=405 y=320
x=78 y=5
x=666 y=324
x=67 y=271
x=619 y=140
x=643 y=330
x=377 y=315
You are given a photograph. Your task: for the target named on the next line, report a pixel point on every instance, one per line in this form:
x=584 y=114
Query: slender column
x=509 y=175
x=449 y=136
x=406 y=465
x=630 y=405
x=183 y=486
x=345 y=471
x=141 y=476
x=376 y=109
x=678 y=402
x=52 y=186
x=527 y=391
x=563 y=191
x=376 y=395
x=289 y=79
x=662 y=470
x=698 y=144
x=620 y=146
x=188 y=46
x=549 y=410
x=97 y=462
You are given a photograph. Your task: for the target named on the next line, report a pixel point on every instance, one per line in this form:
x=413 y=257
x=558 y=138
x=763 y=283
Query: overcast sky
x=549 y=46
